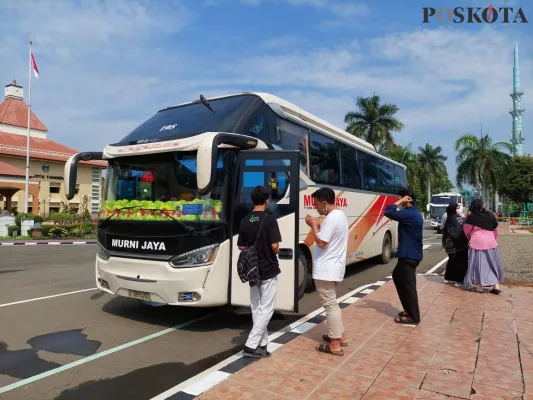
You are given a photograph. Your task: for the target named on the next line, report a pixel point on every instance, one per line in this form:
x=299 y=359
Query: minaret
x=516 y=112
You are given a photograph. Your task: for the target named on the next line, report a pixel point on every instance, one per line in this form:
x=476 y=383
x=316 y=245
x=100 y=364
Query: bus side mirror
x=207 y=157
x=71 y=170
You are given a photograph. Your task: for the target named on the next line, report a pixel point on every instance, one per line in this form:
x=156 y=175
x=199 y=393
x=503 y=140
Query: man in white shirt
x=329 y=264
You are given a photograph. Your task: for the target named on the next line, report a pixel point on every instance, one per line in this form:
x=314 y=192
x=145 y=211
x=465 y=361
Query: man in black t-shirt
x=263 y=295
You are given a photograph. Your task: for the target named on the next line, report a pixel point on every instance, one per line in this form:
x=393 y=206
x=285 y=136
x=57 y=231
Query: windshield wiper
x=205 y=102
x=104 y=223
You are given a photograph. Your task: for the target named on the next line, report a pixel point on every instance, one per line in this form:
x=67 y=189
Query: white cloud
x=435 y=76
x=97 y=60
x=345 y=9
x=67 y=29
x=350 y=10
x=316 y=3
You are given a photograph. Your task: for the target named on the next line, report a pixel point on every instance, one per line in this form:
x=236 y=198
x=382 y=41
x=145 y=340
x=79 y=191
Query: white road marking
x=426 y=246
x=47 y=297
x=436 y=266
x=209 y=381
x=431 y=237
x=96 y=356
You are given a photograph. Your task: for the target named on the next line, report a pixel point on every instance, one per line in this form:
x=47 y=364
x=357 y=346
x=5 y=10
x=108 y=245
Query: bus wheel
x=303 y=274
x=386 y=249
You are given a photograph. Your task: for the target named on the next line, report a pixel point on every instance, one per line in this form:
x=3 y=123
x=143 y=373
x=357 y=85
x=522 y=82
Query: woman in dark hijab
x=455 y=244
x=484 y=262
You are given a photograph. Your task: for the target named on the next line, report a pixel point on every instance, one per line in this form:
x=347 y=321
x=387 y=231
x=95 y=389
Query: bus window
x=290 y=136
x=370 y=172
x=385 y=176
x=400 y=179
x=262 y=125
x=351 y=167
x=276 y=182
x=324 y=156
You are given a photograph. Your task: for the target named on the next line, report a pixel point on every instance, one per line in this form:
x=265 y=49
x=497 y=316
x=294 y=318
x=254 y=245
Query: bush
x=20 y=216
x=58 y=231
x=62 y=218
x=75 y=230
x=45 y=229
x=13 y=228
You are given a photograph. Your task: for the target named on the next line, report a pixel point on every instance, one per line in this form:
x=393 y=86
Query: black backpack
x=456 y=233
x=247 y=264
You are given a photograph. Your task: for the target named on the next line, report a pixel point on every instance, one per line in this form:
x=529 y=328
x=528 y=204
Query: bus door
x=278 y=171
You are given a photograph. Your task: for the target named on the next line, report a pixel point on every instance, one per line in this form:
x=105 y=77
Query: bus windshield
x=437 y=212
x=160 y=187
x=222 y=115
x=443 y=200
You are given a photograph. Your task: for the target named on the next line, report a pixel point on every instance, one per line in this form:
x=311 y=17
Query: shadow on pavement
x=143 y=383
x=168 y=316
x=380 y=306
x=25 y=363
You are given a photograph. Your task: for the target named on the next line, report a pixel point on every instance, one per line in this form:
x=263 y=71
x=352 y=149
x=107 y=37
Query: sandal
x=327 y=339
x=403 y=314
x=405 y=321
x=474 y=289
x=325 y=348
x=495 y=291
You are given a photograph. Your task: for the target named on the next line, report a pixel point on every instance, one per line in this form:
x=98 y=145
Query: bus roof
x=447 y=194
x=297 y=114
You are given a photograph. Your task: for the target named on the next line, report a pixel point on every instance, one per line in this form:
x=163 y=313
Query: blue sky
x=106 y=66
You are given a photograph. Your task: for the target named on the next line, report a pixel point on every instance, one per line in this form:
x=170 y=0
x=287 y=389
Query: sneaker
x=263 y=350
x=255 y=353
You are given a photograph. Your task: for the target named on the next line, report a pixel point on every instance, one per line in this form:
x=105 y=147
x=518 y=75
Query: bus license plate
x=139 y=295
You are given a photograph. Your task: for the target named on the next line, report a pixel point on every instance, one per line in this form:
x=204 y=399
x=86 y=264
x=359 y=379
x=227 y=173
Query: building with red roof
x=47 y=160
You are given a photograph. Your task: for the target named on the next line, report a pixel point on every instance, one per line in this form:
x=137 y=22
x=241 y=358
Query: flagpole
x=28 y=137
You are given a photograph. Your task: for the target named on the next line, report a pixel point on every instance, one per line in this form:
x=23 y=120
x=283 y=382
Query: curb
x=52 y=242
x=205 y=380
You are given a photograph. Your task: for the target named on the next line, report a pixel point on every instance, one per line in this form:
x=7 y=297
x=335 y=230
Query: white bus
x=178 y=186
x=437 y=206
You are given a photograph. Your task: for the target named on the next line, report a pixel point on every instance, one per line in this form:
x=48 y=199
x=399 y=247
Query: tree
x=374 y=122
x=483 y=163
x=432 y=164
x=519 y=186
x=405 y=156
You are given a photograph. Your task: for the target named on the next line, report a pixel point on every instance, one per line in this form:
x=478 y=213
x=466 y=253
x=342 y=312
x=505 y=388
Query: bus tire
x=303 y=273
x=386 y=249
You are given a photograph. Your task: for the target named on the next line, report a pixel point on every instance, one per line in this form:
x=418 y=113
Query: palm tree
x=482 y=163
x=431 y=163
x=374 y=122
x=405 y=156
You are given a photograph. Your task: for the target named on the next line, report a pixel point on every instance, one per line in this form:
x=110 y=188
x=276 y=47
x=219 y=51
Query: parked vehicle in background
x=437 y=207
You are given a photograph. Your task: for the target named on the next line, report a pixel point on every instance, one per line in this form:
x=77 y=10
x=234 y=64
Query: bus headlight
x=102 y=253
x=195 y=258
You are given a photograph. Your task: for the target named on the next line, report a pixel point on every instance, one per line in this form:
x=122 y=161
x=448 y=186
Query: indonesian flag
x=34 y=65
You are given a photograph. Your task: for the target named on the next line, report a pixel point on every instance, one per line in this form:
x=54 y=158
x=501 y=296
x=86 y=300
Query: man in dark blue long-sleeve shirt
x=410 y=225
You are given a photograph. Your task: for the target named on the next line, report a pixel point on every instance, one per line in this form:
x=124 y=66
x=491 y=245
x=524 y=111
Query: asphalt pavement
x=60 y=338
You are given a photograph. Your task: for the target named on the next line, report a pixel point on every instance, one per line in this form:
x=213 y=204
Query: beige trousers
x=328 y=297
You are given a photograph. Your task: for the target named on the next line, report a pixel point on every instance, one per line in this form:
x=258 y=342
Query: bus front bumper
x=435 y=224
x=157 y=282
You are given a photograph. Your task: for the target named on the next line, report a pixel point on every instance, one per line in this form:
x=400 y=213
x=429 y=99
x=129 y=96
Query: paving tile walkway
x=468 y=346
